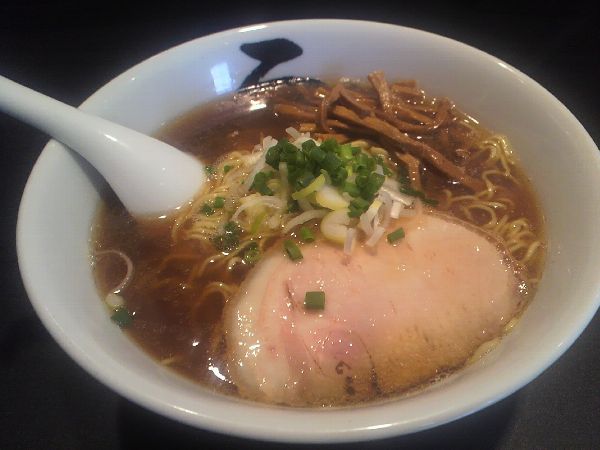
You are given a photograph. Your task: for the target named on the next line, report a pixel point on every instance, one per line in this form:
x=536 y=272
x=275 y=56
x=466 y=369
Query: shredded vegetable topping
x=352 y=191
x=346 y=179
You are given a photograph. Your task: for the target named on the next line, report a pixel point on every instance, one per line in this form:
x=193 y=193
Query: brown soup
x=178 y=330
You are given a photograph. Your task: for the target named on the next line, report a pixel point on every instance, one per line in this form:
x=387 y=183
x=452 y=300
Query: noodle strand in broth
x=426 y=159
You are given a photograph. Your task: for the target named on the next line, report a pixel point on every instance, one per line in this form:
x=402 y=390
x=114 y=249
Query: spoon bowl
x=149 y=176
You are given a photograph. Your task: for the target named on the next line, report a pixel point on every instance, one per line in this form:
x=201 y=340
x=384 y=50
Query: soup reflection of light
x=221 y=78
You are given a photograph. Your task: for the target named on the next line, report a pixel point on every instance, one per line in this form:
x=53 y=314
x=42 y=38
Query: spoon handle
x=148 y=175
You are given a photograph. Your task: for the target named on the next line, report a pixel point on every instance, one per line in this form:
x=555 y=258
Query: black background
x=70 y=49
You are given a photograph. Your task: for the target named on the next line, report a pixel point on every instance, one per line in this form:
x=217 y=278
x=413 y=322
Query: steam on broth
x=354 y=242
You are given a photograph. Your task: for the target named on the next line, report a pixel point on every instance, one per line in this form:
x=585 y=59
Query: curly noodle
x=492 y=209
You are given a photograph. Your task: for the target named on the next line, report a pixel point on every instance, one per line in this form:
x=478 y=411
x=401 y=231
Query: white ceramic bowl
x=560 y=157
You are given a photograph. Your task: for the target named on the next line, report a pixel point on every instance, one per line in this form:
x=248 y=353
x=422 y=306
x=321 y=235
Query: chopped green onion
x=251 y=254
x=292 y=250
x=227 y=168
x=331 y=162
x=330 y=145
x=358 y=206
x=314 y=300
x=219 y=202
x=273 y=156
x=229 y=240
x=374 y=182
x=314 y=167
x=226 y=242
x=345 y=152
x=351 y=189
x=260 y=183
x=405 y=187
x=386 y=170
x=257 y=222
x=122 y=317
x=231 y=227
x=316 y=154
x=207 y=210
x=362 y=179
x=307 y=146
x=430 y=201
x=209 y=170
x=415 y=193
x=339 y=176
x=314 y=186
x=363 y=161
x=304 y=179
x=326 y=175
x=306 y=234
x=395 y=235
x=410 y=191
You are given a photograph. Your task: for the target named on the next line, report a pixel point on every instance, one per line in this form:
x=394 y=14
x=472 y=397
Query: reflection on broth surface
x=370 y=243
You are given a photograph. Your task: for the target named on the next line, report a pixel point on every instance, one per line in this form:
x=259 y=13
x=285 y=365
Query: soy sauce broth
x=168 y=323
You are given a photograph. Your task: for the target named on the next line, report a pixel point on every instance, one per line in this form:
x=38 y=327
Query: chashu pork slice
x=394 y=317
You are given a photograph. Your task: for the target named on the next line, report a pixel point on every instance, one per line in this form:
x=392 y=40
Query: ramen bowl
x=62 y=195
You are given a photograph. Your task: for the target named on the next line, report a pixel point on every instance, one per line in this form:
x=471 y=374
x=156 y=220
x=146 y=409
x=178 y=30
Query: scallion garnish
x=430 y=201
x=219 y=202
x=252 y=253
x=314 y=300
x=358 y=206
x=306 y=234
x=321 y=177
x=395 y=236
x=122 y=317
x=227 y=168
x=305 y=179
x=313 y=185
x=373 y=184
x=260 y=183
x=209 y=170
x=339 y=176
x=345 y=152
x=231 y=227
x=229 y=240
x=404 y=189
x=207 y=210
x=386 y=170
x=331 y=163
x=329 y=159
x=292 y=250
x=257 y=222
x=316 y=154
x=351 y=189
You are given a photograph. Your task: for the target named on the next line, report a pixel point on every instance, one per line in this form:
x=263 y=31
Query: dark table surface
x=70 y=50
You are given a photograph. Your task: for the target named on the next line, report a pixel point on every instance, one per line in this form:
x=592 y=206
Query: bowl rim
x=223 y=425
